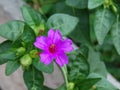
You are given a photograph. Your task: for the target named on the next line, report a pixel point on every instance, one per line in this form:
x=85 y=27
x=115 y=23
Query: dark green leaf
x=116 y=35
x=81 y=33
x=102 y=24
x=96 y=65
x=103 y=84
x=31 y=16
x=42 y=67
x=87 y=83
x=8 y=50
x=62 y=87
x=95 y=3
x=6 y=56
x=33 y=79
x=11 y=67
x=28 y=37
x=5 y=46
x=46 y=88
x=78 y=67
x=80 y=4
x=12 y=30
x=63 y=22
x=11 y=55
x=6 y=53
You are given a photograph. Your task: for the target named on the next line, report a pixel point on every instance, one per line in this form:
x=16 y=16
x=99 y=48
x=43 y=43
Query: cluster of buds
x=109 y=3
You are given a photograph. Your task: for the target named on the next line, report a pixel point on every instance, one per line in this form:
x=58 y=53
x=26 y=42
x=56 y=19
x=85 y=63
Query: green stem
x=73 y=10
x=64 y=71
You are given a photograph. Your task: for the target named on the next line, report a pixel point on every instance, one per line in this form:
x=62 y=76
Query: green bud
x=114 y=9
x=107 y=3
x=26 y=60
x=42 y=26
x=40 y=29
x=20 y=51
x=33 y=53
x=93 y=87
x=34 y=88
x=71 y=85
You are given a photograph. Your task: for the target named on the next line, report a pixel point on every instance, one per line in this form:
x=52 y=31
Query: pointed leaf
x=42 y=67
x=11 y=67
x=28 y=37
x=5 y=53
x=96 y=65
x=116 y=35
x=12 y=30
x=102 y=24
x=103 y=84
x=31 y=16
x=63 y=22
x=95 y=3
x=88 y=83
x=33 y=79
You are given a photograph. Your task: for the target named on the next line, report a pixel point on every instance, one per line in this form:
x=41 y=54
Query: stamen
x=52 y=48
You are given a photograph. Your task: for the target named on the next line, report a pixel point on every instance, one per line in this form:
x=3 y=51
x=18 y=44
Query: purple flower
x=54 y=47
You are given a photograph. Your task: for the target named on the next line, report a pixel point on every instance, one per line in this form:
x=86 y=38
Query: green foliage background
x=94 y=27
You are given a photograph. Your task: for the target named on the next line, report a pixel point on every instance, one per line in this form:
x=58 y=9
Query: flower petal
x=66 y=45
x=54 y=35
x=41 y=42
x=46 y=58
x=61 y=59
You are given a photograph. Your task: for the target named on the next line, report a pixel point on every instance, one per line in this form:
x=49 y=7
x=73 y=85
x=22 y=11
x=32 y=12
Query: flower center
x=52 y=48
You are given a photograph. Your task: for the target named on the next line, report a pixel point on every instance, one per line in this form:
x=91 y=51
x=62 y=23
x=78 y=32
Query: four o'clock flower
x=54 y=47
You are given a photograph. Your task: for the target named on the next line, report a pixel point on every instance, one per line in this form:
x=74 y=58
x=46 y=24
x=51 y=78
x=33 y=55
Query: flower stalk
x=64 y=72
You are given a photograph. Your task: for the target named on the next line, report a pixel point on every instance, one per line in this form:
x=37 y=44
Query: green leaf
x=81 y=33
x=12 y=30
x=33 y=79
x=63 y=22
x=10 y=55
x=31 y=16
x=11 y=67
x=103 y=84
x=116 y=35
x=42 y=67
x=102 y=24
x=6 y=53
x=95 y=3
x=80 y=4
x=5 y=46
x=78 y=69
x=46 y=88
x=62 y=87
x=96 y=65
x=28 y=37
x=88 y=83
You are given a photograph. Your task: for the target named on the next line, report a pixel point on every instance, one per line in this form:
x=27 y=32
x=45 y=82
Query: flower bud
x=26 y=60
x=20 y=51
x=33 y=53
x=40 y=29
x=114 y=9
x=93 y=87
x=107 y=3
x=42 y=26
x=71 y=85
